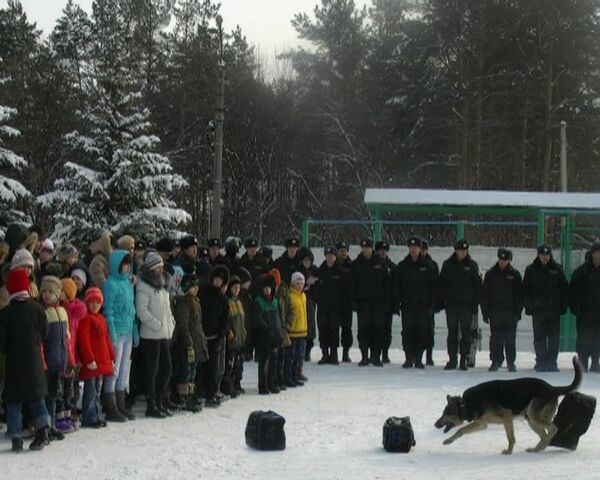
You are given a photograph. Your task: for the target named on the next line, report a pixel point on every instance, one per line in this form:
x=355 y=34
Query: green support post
x=568 y=330
x=378 y=226
x=460 y=230
x=305 y=231
x=541 y=227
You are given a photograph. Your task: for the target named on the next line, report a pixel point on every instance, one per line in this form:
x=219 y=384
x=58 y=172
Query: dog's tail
x=576 y=381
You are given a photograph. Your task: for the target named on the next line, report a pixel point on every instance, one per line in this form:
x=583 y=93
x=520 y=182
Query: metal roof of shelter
x=482 y=198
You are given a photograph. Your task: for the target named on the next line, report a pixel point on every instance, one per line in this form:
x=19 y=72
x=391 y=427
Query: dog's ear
x=448 y=397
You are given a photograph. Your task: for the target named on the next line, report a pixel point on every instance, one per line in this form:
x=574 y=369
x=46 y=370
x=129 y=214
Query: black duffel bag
x=573 y=419
x=264 y=431
x=398 y=435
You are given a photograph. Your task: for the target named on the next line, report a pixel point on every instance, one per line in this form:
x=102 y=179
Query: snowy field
x=333 y=430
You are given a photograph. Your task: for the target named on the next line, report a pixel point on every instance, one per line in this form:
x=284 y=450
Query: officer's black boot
x=419 y=360
x=325 y=356
x=595 y=367
x=409 y=361
x=333 y=356
x=346 y=355
x=376 y=357
x=386 y=356
x=452 y=363
x=429 y=360
x=365 y=357
x=463 y=362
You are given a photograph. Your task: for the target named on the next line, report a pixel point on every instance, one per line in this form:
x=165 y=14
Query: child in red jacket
x=97 y=356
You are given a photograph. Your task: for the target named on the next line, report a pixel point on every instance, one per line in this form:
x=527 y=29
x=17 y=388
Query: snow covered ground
x=333 y=430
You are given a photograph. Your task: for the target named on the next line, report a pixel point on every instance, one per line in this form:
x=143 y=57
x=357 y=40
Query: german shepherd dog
x=499 y=401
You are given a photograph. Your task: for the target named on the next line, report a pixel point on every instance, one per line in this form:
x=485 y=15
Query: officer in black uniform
x=370 y=286
x=288 y=262
x=414 y=287
x=545 y=296
x=382 y=249
x=214 y=249
x=345 y=263
x=436 y=269
x=584 y=294
x=501 y=306
x=331 y=299
x=460 y=293
x=252 y=260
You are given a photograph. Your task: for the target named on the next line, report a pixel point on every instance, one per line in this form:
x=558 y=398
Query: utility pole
x=563 y=156
x=215 y=226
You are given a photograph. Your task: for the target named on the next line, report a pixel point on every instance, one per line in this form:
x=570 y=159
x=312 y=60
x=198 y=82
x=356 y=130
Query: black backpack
x=398 y=435
x=573 y=419
x=264 y=431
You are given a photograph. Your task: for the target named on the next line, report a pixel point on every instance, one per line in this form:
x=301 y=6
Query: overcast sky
x=266 y=23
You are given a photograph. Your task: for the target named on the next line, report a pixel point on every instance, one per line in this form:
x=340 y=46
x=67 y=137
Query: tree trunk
x=548 y=127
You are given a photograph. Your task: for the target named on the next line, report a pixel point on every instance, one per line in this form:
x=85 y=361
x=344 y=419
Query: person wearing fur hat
x=99 y=267
x=189 y=345
x=119 y=311
x=266 y=332
x=214 y=251
x=22 y=259
x=232 y=248
x=126 y=242
x=97 y=357
x=18 y=237
x=23 y=327
x=58 y=355
x=67 y=255
x=215 y=322
x=236 y=340
x=156 y=329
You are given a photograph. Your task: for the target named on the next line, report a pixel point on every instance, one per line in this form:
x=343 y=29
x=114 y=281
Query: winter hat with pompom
x=153 y=260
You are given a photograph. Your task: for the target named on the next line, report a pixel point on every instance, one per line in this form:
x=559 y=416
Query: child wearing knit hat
x=76 y=310
x=58 y=355
x=23 y=326
x=97 y=357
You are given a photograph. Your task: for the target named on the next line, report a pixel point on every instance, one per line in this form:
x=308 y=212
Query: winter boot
x=429 y=358
x=333 y=356
x=493 y=367
x=386 y=356
x=346 y=355
x=325 y=358
x=511 y=367
x=55 y=435
x=364 y=362
x=121 y=405
x=452 y=363
x=41 y=439
x=409 y=362
x=112 y=412
x=16 y=445
x=419 y=360
x=152 y=410
x=161 y=404
x=191 y=403
x=376 y=357
x=463 y=363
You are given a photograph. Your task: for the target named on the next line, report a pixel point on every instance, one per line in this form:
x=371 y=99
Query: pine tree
x=119 y=180
x=11 y=190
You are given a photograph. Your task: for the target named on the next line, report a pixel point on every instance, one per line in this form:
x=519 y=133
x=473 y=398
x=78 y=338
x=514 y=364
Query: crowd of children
x=80 y=342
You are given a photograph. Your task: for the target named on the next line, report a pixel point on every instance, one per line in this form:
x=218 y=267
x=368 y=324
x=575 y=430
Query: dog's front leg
x=470 y=428
x=510 y=434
